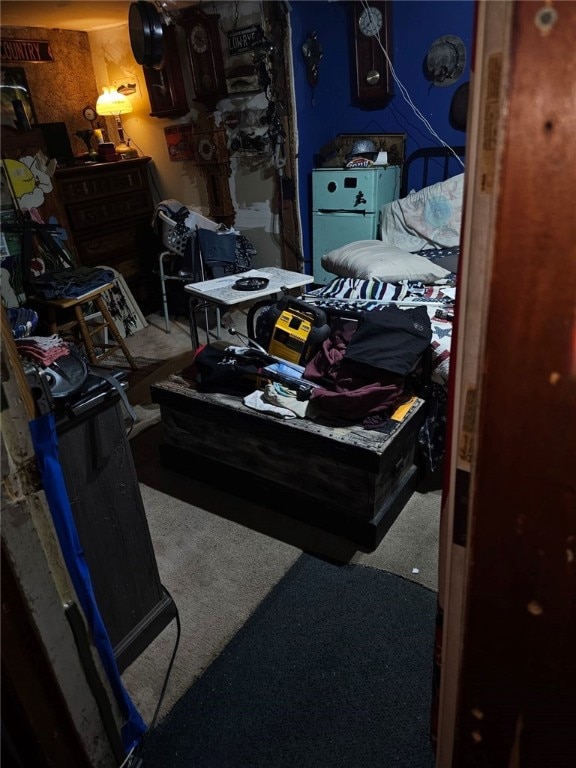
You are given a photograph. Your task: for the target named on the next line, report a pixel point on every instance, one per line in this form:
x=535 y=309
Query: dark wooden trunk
x=342 y=477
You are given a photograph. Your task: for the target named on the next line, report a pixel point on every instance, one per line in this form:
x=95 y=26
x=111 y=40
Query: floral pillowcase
x=429 y=218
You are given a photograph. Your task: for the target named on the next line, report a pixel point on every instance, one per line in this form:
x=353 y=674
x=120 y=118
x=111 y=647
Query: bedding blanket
x=349 y=296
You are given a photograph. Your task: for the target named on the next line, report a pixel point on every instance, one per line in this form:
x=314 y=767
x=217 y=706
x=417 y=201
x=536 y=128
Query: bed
x=414 y=263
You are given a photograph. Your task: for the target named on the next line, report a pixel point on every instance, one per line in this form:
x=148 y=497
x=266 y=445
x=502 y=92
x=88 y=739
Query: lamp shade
x=112 y=103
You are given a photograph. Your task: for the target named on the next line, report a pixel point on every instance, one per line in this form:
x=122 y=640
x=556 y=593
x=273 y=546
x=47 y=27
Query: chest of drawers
x=109 y=209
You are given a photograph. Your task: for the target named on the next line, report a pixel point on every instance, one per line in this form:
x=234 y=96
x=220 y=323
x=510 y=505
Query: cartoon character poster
x=27 y=198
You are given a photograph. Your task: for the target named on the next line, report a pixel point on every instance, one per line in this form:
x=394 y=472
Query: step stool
x=83 y=331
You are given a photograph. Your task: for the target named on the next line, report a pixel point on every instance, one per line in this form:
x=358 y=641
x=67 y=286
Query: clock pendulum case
x=372 y=83
x=205 y=54
x=211 y=156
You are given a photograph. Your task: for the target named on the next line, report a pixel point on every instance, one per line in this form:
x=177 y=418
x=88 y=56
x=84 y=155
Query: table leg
x=192 y=308
x=163 y=288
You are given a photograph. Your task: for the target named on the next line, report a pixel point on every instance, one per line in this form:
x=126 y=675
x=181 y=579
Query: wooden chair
x=83 y=331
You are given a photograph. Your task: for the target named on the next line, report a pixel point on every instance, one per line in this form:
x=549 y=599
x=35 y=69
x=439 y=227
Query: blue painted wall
x=327 y=111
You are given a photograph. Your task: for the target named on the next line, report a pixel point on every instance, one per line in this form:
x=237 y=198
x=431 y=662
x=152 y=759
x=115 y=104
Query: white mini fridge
x=346 y=206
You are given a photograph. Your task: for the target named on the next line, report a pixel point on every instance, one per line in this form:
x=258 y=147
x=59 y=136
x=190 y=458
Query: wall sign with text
x=25 y=50
x=243 y=40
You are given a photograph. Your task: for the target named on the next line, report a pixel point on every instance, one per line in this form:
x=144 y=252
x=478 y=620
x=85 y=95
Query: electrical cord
x=407 y=98
x=134 y=758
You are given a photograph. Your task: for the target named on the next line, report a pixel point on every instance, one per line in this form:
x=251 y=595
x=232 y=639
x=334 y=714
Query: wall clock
x=218 y=189
x=211 y=155
x=205 y=53
x=372 y=82
x=146 y=34
x=210 y=146
x=164 y=84
x=90 y=114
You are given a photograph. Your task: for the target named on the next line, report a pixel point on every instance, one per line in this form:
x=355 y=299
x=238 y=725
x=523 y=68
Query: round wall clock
x=206 y=149
x=89 y=114
x=370 y=21
x=146 y=34
x=205 y=54
x=372 y=82
x=199 y=38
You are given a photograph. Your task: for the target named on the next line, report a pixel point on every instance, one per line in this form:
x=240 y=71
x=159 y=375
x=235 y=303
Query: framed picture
x=179 y=142
x=17 y=107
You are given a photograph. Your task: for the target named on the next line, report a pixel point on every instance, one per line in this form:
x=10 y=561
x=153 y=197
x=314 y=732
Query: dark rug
x=334 y=668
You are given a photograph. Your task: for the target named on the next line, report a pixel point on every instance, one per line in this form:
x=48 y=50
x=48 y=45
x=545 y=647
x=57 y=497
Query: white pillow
x=365 y=259
x=429 y=218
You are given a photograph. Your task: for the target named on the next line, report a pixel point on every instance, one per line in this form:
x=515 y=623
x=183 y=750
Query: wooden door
x=507 y=588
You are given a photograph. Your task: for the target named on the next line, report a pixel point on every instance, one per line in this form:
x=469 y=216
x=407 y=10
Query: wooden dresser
x=109 y=209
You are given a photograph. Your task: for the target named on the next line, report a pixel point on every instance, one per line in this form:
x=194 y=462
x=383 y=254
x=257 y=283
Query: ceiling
x=64 y=14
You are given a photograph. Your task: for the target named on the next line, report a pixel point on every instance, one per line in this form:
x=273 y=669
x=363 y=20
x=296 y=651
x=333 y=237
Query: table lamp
x=113 y=104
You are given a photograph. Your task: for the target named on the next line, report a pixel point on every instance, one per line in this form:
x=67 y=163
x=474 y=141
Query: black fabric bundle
x=391 y=340
x=362 y=372
x=220 y=253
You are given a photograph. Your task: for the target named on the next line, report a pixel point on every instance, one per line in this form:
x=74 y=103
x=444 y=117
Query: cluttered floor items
x=296 y=360
x=334 y=414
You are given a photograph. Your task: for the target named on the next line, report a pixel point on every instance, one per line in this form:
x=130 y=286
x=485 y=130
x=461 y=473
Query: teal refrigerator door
x=346 y=206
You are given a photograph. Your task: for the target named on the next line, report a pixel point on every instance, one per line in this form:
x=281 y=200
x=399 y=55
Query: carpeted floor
x=220 y=557
x=332 y=669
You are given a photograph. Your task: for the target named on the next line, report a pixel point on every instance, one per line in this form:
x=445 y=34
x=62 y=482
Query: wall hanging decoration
x=205 y=54
x=242 y=79
x=146 y=33
x=458 y=114
x=25 y=50
x=243 y=40
x=164 y=83
x=17 y=109
x=312 y=51
x=372 y=86
x=179 y=142
x=445 y=60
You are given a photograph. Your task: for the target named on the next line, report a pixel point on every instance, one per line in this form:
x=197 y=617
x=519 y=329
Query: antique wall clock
x=205 y=54
x=372 y=83
x=164 y=84
x=211 y=155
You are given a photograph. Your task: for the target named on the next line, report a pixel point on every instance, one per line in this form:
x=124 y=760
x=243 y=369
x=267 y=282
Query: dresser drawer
x=116 y=181
x=110 y=245
x=107 y=211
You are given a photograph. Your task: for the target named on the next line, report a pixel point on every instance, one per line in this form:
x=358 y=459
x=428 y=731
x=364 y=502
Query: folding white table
x=220 y=292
